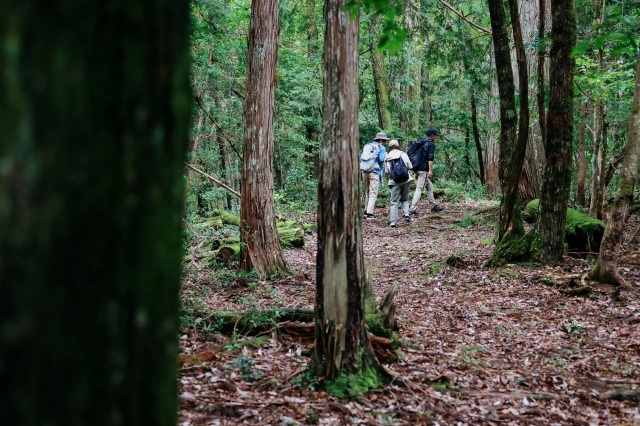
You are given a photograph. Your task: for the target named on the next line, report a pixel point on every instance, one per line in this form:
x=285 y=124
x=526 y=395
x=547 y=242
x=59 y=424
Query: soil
x=518 y=345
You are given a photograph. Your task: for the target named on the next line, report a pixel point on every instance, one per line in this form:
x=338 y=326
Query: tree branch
x=219 y=182
x=476 y=26
x=215 y=123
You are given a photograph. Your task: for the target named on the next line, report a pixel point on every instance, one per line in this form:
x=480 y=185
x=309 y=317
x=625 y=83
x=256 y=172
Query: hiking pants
x=421 y=179
x=371 y=186
x=399 y=194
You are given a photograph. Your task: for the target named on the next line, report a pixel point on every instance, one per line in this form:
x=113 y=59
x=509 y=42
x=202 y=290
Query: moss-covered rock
x=582 y=232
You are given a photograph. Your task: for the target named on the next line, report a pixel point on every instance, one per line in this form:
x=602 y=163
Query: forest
x=184 y=235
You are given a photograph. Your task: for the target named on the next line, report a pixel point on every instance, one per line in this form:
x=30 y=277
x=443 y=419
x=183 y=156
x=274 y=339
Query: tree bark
x=557 y=176
x=542 y=114
x=258 y=232
x=508 y=163
x=582 y=156
x=517 y=165
x=607 y=268
x=313 y=125
x=342 y=343
x=476 y=138
x=91 y=231
x=427 y=117
x=492 y=153
x=380 y=80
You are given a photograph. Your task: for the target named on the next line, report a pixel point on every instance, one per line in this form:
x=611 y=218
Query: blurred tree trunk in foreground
x=94 y=127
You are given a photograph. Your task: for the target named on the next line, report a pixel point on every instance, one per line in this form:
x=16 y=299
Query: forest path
x=482 y=346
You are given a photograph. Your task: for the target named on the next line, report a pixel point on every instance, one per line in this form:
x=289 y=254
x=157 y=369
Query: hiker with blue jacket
x=397 y=166
x=371 y=163
x=422 y=153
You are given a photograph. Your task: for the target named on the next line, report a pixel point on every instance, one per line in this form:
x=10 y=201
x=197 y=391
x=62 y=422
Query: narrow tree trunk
x=476 y=138
x=313 y=124
x=342 y=342
x=94 y=127
x=582 y=156
x=508 y=118
x=223 y=157
x=380 y=80
x=607 y=268
x=542 y=114
x=595 y=206
x=426 y=119
x=258 y=232
x=517 y=164
x=493 y=147
x=557 y=176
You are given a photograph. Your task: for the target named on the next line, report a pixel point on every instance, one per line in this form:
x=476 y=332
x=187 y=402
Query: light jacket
x=394 y=154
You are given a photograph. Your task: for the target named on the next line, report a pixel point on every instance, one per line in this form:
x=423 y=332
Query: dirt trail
x=481 y=346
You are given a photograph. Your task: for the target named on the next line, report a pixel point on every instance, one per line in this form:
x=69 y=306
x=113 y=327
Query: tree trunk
x=313 y=124
x=517 y=165
x=413 y=73
x=342 y=343
x=582 y=156
x=222 y=155
x=258 y=233
x=607 y=268
x=508 y=119
x=595 y=205
x=94 y=129
x=542 y=115
x=557 y=176
x=380 y=80
x=426 y=118
x=492 y=153
x=476 y=137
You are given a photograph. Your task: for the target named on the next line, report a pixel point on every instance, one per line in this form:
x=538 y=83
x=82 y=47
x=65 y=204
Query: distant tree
x=607 y=268
x=94 y=126
x=258 y=233
x=559 y=141
x=342 y=343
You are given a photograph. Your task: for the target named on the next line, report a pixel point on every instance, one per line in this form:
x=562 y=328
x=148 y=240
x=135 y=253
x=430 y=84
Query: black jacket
x=420 y=160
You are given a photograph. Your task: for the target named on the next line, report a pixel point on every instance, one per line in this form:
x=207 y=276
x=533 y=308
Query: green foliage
x=574 y=327
x=434 y=269
x=354 y=385
x=245 y=365
x=466 y=221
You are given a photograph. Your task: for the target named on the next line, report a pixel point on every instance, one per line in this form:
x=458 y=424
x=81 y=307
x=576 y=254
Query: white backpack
x=369 y=158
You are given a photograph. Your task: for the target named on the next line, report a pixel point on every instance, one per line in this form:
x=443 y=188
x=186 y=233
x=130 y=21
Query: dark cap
x=432 y=132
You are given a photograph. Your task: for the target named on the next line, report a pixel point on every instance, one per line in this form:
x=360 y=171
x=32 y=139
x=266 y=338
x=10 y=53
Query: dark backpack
x=417 y=154
x=399 y=170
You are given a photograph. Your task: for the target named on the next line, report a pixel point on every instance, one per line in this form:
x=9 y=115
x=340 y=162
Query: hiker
x=422 y=154
x=371 y=162
x=397 y=166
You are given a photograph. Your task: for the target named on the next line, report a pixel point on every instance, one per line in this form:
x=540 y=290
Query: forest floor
x=515 y=345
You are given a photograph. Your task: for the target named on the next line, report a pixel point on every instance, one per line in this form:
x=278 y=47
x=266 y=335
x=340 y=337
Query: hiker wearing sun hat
x=424 y=172
x=371 y=162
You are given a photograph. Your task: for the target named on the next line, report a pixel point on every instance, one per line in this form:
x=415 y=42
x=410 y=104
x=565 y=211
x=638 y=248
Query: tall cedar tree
x=559 y=140
x=258 y=231
x=94 y=127
x=607 y=267
x=342 y=343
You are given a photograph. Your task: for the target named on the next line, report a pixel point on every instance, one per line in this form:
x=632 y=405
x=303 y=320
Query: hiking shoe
x=369 y=216
x=414 y=212
x=393 y=225
x=437 y=209
x=407 y=219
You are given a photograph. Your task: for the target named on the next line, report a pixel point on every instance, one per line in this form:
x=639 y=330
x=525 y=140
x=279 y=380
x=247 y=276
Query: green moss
x=375 y=320
x=354 y=385
x=587 y=224
x=512 y=248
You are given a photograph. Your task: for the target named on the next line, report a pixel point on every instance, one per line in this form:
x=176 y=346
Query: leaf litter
x=504 y=346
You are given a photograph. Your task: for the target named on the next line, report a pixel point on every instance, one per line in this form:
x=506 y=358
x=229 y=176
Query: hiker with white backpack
x=397 y=166
x=371 y=163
